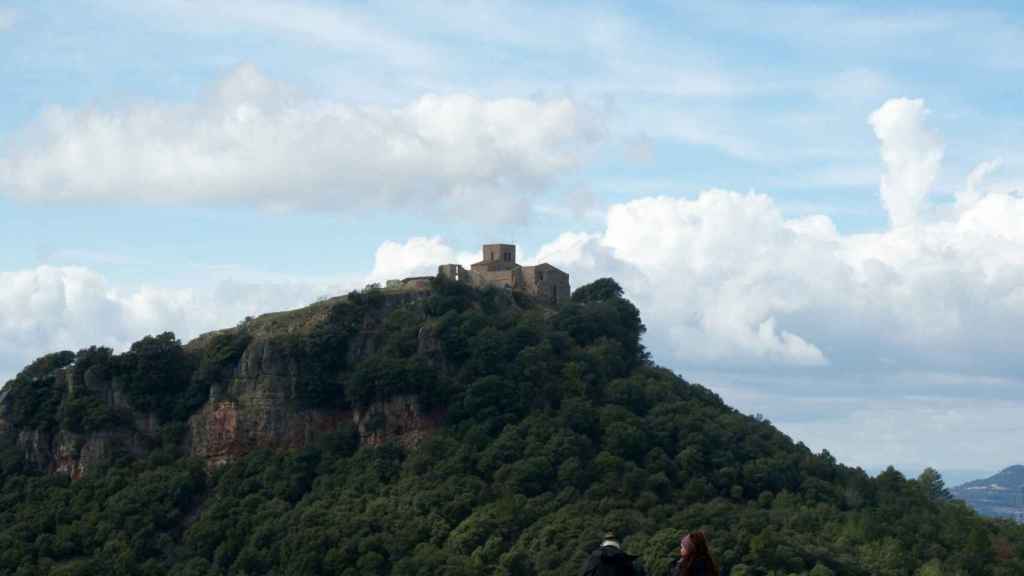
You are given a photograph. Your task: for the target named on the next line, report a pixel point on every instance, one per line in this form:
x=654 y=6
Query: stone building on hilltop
x=498 y=268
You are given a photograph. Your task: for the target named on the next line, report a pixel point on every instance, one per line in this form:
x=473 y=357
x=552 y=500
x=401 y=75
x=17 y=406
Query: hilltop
x=998 y=496
x=443 y=429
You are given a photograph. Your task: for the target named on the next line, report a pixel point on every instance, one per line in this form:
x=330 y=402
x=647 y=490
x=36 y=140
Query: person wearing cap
x=610 y=560
x=694 y=557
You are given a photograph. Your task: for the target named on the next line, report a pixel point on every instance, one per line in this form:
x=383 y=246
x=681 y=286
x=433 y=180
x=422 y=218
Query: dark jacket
x=623 y=564
x=699 y=568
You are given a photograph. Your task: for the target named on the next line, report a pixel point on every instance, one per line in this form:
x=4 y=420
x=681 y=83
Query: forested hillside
x=553 y=425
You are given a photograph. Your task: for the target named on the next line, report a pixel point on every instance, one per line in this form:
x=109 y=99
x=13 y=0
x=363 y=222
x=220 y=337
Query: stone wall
x=500 y=279
x=546 y=282
x=417 y=283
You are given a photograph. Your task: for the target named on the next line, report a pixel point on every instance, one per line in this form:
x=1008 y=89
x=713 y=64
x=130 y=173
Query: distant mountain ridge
x=998 y=496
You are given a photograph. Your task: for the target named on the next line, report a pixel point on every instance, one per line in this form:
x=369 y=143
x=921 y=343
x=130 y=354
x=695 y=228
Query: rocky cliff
x=276 y=381
x=70 y=450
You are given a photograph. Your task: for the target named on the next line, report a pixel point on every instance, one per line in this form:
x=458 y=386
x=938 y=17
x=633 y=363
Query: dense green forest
x=558 y=426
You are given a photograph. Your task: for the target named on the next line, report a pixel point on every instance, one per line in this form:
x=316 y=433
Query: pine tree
x=933 y=485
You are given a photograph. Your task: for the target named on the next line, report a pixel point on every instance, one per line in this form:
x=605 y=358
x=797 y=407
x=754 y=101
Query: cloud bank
x=255 y=142
x=726 y=281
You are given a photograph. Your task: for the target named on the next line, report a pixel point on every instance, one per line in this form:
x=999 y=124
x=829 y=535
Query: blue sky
x=816 y=206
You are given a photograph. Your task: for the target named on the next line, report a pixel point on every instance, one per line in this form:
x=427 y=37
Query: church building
x=498 y=268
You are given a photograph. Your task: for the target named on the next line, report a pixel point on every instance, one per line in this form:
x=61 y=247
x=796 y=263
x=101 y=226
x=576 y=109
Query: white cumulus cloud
x=726 y=281
x=972 y=192
x=894 y=347
x=419 y=256
x=692 y=265
x=912 y=155
x=253 y=141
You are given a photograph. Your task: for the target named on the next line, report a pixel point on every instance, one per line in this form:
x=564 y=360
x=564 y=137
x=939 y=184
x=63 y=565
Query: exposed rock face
x=77 y=454
x=254 y=402
x=35 y=445
x=257 y=408
x=225 y=430
x=74 y=454
x=260 y=407
x=399 y=419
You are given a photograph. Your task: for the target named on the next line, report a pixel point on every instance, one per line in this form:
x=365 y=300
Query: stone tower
x=500 y=252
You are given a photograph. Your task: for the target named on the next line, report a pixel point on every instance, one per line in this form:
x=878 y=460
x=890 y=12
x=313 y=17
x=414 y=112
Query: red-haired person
x=694 y=557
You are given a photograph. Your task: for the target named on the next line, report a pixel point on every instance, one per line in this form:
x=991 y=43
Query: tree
x=931 y=568
x=821 y=570
x=597 y=291
x=156 y=370
x=933 y=486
